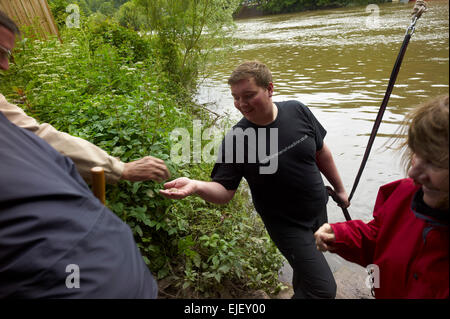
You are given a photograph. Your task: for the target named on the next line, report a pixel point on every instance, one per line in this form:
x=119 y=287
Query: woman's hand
x=343 y=199
x=325 y=238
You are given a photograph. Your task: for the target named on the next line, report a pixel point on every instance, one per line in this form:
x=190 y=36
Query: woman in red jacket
x=408 y=239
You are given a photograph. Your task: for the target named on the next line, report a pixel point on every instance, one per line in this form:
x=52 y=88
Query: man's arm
x=326 y=165
x=212 y=192
x=84 y=154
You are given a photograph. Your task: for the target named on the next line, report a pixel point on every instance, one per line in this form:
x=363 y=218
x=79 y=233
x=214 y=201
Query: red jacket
x=410 y=249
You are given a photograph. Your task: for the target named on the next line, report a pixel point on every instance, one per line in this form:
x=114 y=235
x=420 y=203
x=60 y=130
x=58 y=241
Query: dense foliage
x=126 y=92
x=284 y=6
x=186 y=32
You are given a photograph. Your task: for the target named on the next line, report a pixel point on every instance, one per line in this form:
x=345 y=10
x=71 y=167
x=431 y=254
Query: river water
x=338 y=62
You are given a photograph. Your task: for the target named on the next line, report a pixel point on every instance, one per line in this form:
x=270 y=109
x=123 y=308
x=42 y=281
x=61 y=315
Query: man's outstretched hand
x=179 y=188
x=146 y=168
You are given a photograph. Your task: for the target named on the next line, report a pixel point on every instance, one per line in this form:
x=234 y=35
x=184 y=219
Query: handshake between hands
x=325 y=238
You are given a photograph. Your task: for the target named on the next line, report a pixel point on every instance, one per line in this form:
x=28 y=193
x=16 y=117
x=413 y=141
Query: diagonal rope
x=419 y=8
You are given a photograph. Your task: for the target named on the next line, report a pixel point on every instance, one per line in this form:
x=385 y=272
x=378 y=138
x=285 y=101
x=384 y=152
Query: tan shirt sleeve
x=84 y=154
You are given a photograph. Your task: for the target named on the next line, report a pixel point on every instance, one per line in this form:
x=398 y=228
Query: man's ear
x=270 y=89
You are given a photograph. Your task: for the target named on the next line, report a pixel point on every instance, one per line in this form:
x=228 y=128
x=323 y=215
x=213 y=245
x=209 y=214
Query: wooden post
x=98 y=183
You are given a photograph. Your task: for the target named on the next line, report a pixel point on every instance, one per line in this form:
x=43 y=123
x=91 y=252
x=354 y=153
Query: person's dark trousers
x=312 y=277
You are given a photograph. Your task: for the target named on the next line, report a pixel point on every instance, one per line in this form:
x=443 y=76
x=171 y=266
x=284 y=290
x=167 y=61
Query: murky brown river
x=338 y=62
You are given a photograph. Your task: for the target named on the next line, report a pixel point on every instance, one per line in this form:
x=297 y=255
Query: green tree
x=280 y=6
x=84 y=8
x=107 y=8
x=58 y=8
x=119 y=3
x=188 y=32
x=129 y=16
x=153 y=12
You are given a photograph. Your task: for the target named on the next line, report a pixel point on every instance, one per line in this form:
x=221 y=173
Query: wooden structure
x=32 y=13
x=98 y=183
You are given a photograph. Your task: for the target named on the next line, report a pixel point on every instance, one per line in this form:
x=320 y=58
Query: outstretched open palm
x=178 y=188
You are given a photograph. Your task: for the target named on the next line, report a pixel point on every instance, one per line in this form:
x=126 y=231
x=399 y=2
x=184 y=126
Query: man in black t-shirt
x=278 y=148
x=285 y=177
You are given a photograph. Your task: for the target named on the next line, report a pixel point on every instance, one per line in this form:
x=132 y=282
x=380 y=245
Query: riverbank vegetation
x=288 y=6
x=126 y=92
x=128 y=14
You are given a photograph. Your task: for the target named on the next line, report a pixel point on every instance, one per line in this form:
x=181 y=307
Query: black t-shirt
x=279 y=163
x=55 y=234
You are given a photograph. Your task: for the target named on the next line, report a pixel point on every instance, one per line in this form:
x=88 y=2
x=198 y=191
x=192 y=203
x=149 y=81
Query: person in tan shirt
x=58 y=241
x=84 y=154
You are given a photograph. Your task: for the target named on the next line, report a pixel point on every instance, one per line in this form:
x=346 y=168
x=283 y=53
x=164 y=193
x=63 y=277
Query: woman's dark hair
x=9 y=24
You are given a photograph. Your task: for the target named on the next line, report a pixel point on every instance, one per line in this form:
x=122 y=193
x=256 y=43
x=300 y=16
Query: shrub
x=108 y=86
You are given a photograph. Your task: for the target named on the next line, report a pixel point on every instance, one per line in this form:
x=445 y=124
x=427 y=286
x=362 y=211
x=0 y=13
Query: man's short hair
x=9 y=24
x=251 y=69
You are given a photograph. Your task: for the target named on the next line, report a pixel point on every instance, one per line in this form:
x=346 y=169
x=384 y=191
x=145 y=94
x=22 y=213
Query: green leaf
x=163 y=272
x=186 y=284
x=197 y=260
x=224 y=268
x=136 y=187
x=138 y=230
